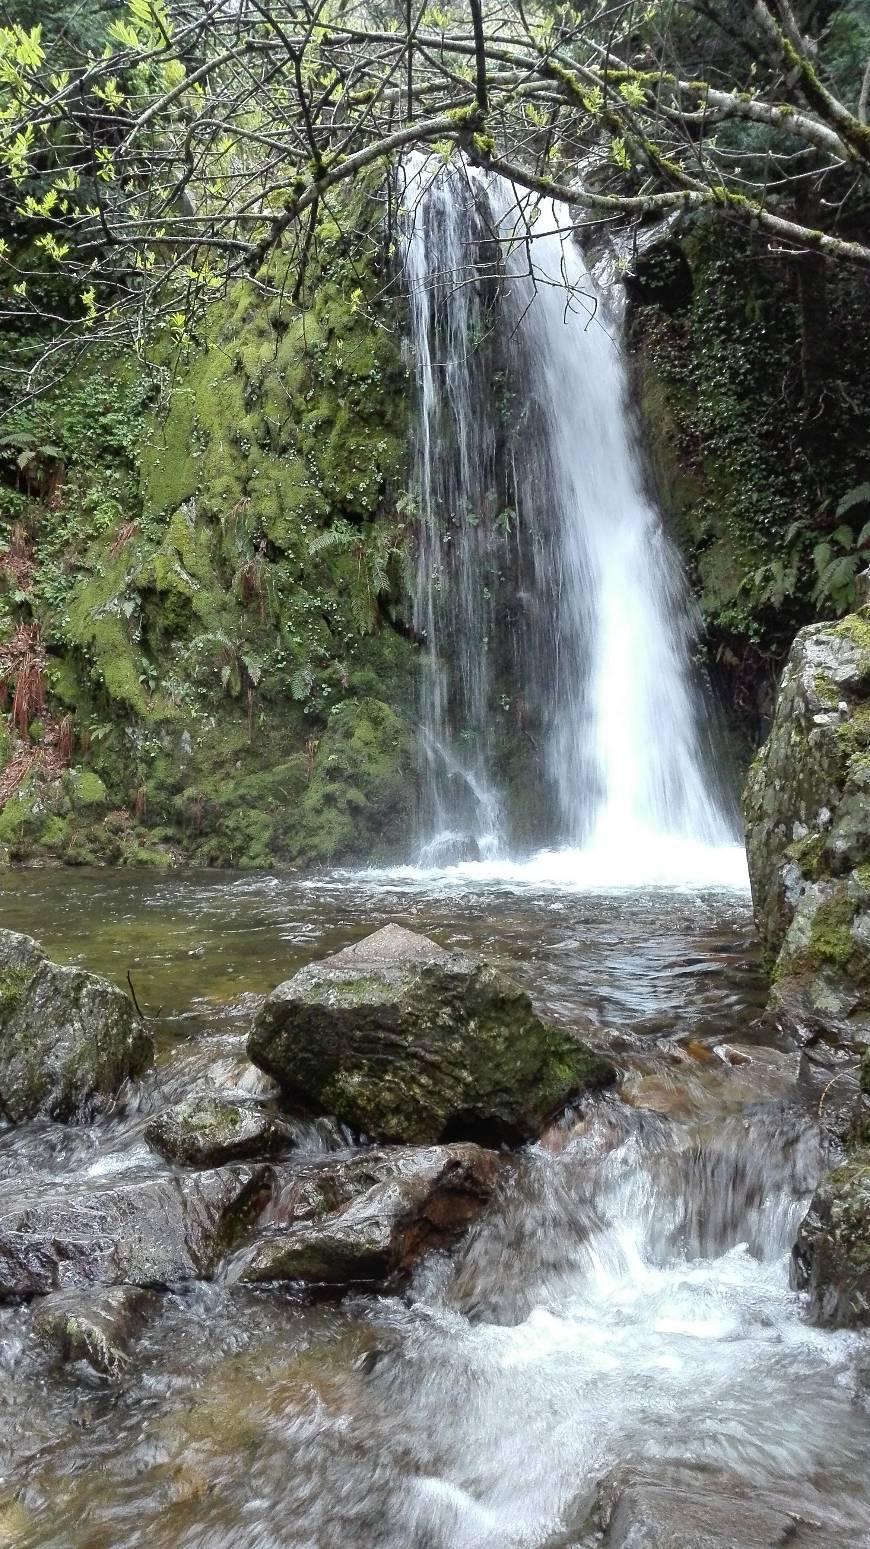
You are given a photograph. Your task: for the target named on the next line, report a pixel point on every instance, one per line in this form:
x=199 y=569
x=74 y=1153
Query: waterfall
x=552 y=605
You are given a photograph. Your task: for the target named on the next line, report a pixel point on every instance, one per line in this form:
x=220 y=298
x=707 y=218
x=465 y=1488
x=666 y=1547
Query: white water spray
x=573 y=610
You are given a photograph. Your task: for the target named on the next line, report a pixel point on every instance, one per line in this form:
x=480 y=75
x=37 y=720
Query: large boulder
x=405 y=1041
x=148 y=1230
x=808 y=834
x=368 y=1219
x=207 y=1129
x=68 y=1039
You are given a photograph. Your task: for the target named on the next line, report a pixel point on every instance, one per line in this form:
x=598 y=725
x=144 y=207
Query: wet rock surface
x=92 y=1326
x=831 y=1258
x=365 y=1219
x=208 y=1129
x=682 y=1506
x=68 y=1039
x=807 y=808
x=405 y=1041
x=144 y=1231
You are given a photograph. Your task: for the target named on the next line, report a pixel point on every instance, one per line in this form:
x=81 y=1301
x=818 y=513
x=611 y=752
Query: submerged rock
x=405 y=1041
x=831 y=1258
x=142 y=1231
x=363 y=1220
x=690 y=1506
x=68 y=1039
x=808 y=833
x=95 y=1327
x=207 y=1129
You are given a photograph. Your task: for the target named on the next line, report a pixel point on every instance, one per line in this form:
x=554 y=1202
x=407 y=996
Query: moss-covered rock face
x=753 y=392
x=68 y=1039
x=404 y=1041
x=216 y=577
x=808 y=831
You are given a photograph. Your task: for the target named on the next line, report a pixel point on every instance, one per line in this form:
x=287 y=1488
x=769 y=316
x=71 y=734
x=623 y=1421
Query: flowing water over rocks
x=612 y=1354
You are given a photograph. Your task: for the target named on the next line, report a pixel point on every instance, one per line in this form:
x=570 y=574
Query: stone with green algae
x=68 y=1039
x=207 y=1128
x=95 y=1327
x=831 y=1257
x=405 y=1041
x=807 y=806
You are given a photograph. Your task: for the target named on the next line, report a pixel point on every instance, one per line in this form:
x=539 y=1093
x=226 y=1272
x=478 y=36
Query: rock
x=95 y=1327
x=207 y=1129
x=831 y=1258
x=808 y=834
x=391 y=1207
x=141 y=1230
x=68 y=1039
x=405 y=1041
x=690 y=1506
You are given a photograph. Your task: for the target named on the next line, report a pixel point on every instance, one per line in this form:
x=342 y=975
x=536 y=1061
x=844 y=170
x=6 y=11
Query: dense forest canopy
x=150 y=154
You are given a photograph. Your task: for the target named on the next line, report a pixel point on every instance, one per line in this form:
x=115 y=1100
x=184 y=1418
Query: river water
x=624 y=1298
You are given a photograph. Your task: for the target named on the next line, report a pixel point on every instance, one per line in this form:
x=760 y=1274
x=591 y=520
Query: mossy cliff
x=808 y=834
x=750 y=369
x=200 y=645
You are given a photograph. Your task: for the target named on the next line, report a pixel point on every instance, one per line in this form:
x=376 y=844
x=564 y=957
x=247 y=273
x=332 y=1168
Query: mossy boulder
x=405 y=1041
x=394 y=1206
x=207 y=1129
x=94 y=1327
x=68 y=1039
x=807 y=806
x=831 y=1258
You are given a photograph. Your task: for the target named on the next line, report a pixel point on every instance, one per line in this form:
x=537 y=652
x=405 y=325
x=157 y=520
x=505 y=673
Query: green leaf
x=821 y=556
x=857 y=496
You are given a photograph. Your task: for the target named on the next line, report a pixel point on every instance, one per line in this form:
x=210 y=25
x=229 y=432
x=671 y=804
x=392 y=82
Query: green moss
x=831 y=931
x=13 y=984
x=807 y=854
x=87 y=788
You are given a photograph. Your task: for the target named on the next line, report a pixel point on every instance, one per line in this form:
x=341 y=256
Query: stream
x=624 y=1299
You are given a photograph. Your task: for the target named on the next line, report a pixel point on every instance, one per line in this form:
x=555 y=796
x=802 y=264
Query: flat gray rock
x=140 y=1230
x=686 y=1506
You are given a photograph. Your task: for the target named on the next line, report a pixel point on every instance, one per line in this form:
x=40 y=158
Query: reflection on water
x=625 y=1297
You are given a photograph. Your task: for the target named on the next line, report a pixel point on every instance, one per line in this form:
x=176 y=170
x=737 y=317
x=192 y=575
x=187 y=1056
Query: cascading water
x=569 y=606
x=453 y=463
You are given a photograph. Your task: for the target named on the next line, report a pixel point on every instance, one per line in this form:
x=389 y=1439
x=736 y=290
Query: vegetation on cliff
x=200 y=582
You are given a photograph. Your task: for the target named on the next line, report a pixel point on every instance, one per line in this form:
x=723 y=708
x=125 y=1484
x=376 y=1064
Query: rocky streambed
x=554 y=1302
